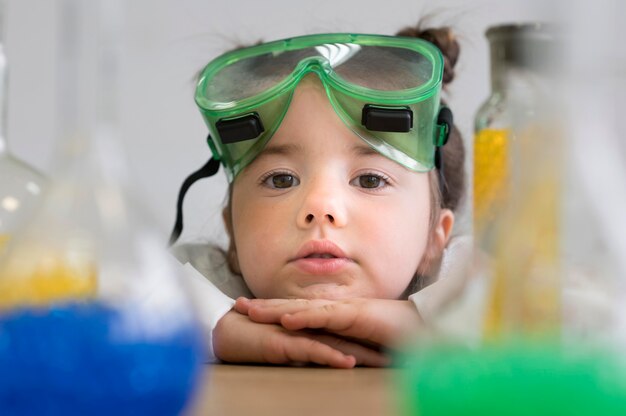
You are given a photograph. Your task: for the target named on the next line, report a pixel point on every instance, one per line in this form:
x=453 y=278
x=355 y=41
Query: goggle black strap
x=443 y=185
x=445 y=121
x=209 y=169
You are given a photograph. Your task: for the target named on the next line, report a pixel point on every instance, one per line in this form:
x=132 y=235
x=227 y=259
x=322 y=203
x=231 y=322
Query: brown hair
x=446 y=195
x=447 y=187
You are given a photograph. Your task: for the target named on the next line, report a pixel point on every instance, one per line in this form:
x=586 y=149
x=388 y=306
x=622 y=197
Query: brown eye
x=369 y=181
x=282 y=181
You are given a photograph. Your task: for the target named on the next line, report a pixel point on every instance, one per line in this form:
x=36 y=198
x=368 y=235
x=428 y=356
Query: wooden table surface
x=253 y=390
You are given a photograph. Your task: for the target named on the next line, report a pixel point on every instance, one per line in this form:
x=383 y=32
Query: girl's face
x=319 y=214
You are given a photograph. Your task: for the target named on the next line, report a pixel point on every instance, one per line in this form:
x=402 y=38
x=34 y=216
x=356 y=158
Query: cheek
x=402 y=238
x=248 y=229
x=404 y=225
x=257 y=235
x=407 y=242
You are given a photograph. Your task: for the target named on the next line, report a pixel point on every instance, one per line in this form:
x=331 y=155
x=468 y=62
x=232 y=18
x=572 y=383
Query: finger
x=336 y=317
x=297 y=349
x=262 y=303
x=287 y=303
x=242 y=305
x=345 y=319
x=271 y=313
x=364 y=356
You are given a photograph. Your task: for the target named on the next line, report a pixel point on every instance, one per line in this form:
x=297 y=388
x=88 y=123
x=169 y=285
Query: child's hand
x=383 y=322
x=236 y=338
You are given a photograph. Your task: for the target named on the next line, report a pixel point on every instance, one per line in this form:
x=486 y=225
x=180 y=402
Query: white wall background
x=170 y=40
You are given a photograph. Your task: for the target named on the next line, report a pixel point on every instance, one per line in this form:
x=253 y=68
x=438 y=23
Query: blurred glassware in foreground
x=93 y=317
x=595 y=235
x=21 y=185
x=534 y=356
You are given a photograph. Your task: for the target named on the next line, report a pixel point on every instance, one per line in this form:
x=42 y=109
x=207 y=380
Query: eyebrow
x=364 y=150
x=280 y=150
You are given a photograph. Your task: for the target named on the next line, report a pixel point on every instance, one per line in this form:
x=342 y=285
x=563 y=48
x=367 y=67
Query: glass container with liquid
x=94 y=319
x=517 y=169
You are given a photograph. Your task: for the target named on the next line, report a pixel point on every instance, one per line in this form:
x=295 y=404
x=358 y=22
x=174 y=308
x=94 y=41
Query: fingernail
x=352 y=361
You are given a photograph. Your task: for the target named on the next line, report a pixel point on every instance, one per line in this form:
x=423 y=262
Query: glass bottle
x=20 y=184
x=93 y=317
x=517 y=169
x=515 y=54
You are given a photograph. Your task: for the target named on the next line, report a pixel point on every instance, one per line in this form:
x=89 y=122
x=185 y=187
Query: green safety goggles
x=384 y=88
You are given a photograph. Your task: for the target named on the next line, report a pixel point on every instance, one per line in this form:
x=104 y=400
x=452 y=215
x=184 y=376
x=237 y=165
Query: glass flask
x=20 y=184
x=93 y=317
x=517 y=181
x=595 y=241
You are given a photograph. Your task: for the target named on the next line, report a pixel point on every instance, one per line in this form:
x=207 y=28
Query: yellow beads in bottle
x=52 y=279
x=517 y=220
x=491 y=173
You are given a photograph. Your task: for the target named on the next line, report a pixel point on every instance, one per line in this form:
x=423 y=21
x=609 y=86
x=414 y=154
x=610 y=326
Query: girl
x=344 y=174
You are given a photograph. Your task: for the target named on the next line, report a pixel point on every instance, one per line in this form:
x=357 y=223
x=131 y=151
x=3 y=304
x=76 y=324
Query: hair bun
x=444 y=39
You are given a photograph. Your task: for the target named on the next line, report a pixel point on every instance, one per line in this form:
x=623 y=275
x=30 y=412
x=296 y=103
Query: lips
x=323 y=249
x=321 y=257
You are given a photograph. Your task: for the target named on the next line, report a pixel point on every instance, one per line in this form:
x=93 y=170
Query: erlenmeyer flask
x=93 y=319
x=21 y=185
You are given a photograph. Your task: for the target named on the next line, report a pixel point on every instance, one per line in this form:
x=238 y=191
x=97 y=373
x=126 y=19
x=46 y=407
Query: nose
x=323 y=204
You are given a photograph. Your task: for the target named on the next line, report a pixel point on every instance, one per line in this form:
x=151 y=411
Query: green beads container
x=514 y=377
